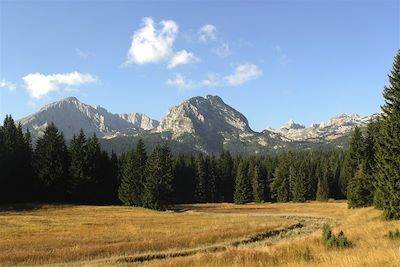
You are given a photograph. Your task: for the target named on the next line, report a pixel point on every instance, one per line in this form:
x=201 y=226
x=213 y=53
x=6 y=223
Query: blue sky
x=271 y=60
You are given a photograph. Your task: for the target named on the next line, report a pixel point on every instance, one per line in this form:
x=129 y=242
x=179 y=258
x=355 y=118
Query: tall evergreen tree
x=300 y=182
x=243 y=189
x=133 y=176
x=323 y=181
x=258 y=184
x=227 y=179
x=51 y=164
x=359 y=189
x=201 y=180
x=387 y=180
x=78 y=166
x=17 y=176
x=353 y=159
x=281 y=186
x=212 y=178
x=158 y=185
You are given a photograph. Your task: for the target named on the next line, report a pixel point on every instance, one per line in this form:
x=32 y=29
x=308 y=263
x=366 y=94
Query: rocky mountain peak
x=291 y=124
x=205 y=115
x=70 y=115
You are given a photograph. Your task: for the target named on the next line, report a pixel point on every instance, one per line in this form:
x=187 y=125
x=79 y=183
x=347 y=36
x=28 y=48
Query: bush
x=306 y=255
x=395 y=234
x=331 y=241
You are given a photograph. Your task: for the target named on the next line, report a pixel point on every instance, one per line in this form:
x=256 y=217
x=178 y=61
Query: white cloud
x=84 y=54
x=223 y=50
x=182 y=57
x=8 y=85
x=242 y=74
x=282 y=57
x=207 y=33
x=181 y=82
x=212 y=80
x=150 y=45
x=39 y=85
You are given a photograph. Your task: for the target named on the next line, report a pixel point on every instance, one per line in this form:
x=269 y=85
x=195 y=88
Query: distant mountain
x=70 y=115
x=204 y=115
x=329 y=130
x=199 y=124
x=140 y=120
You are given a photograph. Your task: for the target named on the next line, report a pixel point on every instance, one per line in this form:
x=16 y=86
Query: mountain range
x=199 y=124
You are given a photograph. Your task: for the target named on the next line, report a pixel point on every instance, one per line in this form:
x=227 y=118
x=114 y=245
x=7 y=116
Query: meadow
x=287 y=234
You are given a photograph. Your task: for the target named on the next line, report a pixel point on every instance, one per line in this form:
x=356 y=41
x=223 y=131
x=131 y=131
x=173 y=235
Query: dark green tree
x=133 y=176
x=243 y=188
x=225 y=186
x=201 y=179
x=353 y=159
x=159 y=180
x=300 y=182
x=50 y=164
x=282 y=182
x=359 y=188
x=387 y=177
x=258 y=184
x=78 y=166
x=322 y=173
x=212 y=178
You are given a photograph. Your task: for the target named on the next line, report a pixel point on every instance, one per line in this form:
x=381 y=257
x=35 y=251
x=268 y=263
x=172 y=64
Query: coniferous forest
x=368 y=173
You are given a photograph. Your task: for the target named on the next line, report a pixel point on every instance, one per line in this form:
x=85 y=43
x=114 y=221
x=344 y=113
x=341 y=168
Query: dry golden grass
x=363 y=227
x=55 y=234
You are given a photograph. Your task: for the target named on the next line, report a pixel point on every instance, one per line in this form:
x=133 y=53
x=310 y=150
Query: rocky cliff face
x=70 y=115
x=204 y=115
x=204 y=124
x=140 y=120
x=329 y=130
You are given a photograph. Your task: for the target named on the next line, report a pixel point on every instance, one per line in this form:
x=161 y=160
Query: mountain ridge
x=205 y=124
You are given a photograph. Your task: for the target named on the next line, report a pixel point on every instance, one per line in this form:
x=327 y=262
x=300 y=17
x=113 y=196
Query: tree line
x=368 y=173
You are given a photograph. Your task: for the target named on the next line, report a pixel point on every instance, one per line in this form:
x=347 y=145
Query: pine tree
x=158 y=185
x=359 y=189
x=282 y=182
x=78 y=166
x=127 y=186
x=51 y=164
x=16 y=154
x=243 y=189
x=258 y=184
x=212 y=178
x=353 y=159
x=133 y=176
x=226 y=182
x=201 y=180
x=387 y=175
x=300 y=182
x=323 y=183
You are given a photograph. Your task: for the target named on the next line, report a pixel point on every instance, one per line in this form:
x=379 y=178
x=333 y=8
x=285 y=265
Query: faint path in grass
x=301 y=226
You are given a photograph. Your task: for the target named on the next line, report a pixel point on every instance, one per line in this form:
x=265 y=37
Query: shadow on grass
x=20 y=207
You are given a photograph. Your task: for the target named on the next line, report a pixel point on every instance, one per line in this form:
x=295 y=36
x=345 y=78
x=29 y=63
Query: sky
x=271 y=60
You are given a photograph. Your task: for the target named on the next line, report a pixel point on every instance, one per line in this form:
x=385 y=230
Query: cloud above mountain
x=39 y=85
x=154 y=43
x=242 y=74
x=151 y=44
x=4 y=84
x=182 y=57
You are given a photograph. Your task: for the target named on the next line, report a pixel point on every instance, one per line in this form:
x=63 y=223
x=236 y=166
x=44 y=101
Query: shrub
x=342 y=241
x=307 y=254
x=395 y=234
x=331 y=241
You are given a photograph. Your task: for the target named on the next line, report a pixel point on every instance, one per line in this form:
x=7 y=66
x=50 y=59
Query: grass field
x=196 y=235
